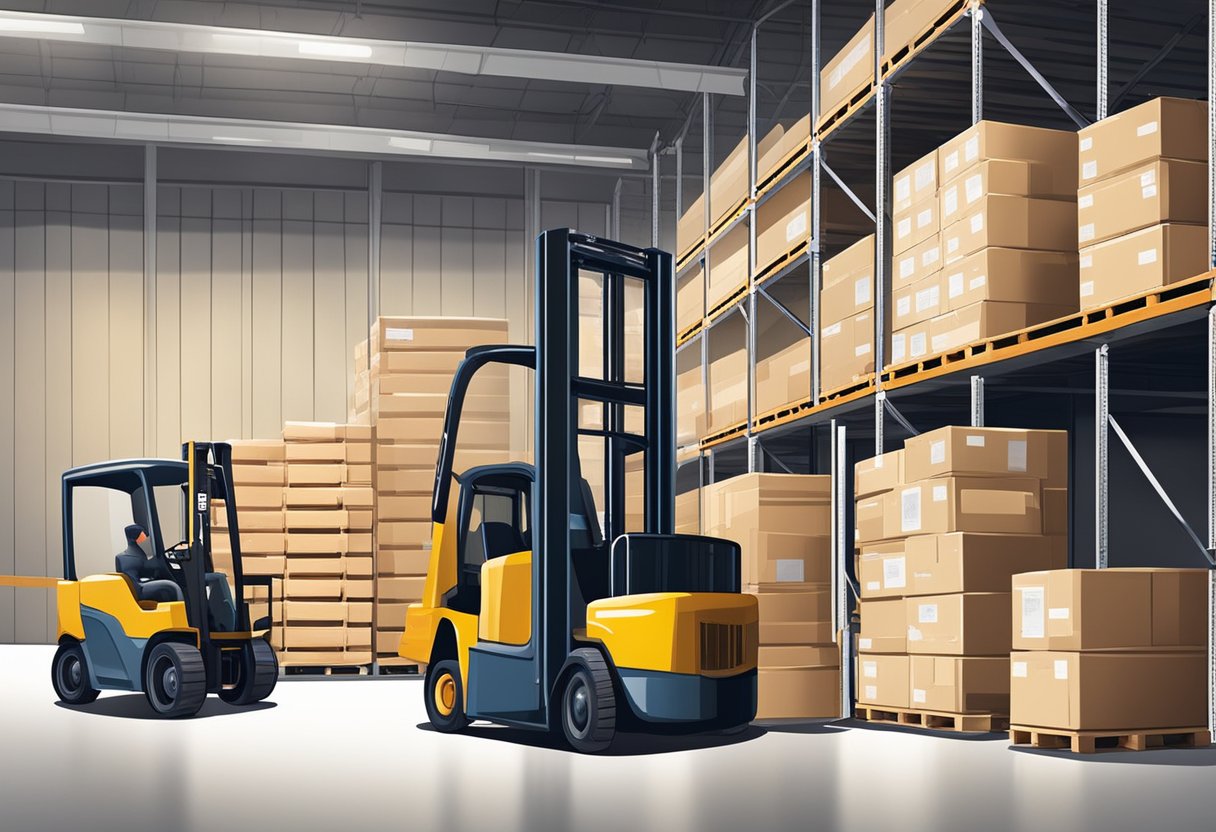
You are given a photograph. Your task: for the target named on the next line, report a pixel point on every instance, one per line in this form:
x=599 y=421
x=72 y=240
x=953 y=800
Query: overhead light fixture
x=40 y=26
x=411 y=143
x=333 y=49
x=239 y=140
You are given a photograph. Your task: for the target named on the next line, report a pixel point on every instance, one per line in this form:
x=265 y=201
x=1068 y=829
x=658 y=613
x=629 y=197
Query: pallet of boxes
x=327 y=589
x=1108 y=659
x=259 y=475
x=942 y=527
x=782 y=522
x=410 y=365
x=1142 y=209
x=846 y=307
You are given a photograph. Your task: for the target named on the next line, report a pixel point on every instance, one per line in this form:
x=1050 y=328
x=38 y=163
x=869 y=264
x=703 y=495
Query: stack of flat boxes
x=983 y=238
x=1115 y=650
x=846 y=304
x=327 y=610
x=1142 y=208
x=411 y=362
x=942 y=527
x=782 y=522
x=361 y=392
x=259 y=475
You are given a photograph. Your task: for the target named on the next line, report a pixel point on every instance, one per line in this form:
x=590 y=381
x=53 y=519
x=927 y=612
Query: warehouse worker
x=152 y=579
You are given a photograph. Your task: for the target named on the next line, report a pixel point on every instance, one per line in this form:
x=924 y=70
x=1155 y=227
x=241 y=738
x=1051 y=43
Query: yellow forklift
x=532 y=614
x=164 y=622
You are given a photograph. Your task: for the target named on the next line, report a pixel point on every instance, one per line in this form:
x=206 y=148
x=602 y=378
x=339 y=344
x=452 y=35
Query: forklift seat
x=588 y=556
x=501 y=539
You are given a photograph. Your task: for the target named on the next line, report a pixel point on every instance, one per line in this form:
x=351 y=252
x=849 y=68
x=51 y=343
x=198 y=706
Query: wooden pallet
x=855 y=102
x=724 y=435
x=716 y=230
x=849 y=389
x=690 y=333
x=934 y=720
x=782 y=414
x=776 y=266
x=397 y=666
x=772 y=178
x=938 y=27
x=723 y=306
x=690 y=254
x=1091 y=742
x=325 y=669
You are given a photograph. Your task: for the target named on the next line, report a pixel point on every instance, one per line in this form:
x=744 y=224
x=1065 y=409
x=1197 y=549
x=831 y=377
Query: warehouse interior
x=964 y=469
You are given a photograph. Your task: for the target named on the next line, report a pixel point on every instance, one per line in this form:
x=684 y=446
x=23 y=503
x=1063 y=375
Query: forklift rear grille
x=721 y=646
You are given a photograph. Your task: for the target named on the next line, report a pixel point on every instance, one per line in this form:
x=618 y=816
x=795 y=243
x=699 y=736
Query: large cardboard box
x=854 y=261
x=1001 y=176
x=878 y=474
x=846 y=351
x=727 y=271
x=795 y=616
x=964 y=504
x=960 y=684
x=728 y=183
x=690 y=399
x=961 y=562
x=881 y=570
x=850 y=71
x=1163 y=190
x=797 y=692
x=988 y=319
x=783 y=221
x=691 y=226
x=910 y=343
x=257 y=450
x=979 y=452
x=915 y=224
x=918 y=302
x=781 y=141
x=1055 y=150
x=1108 y=691
x=690 y=297
x=847 y=298
x=1141 y=261
x=434 y=333
x=868 y=519
x=783 y=351
x=906 y=21
x=1110 y=609
x=918 y=262
x=884 y=626
x=1175 y=128
x=727 y=374
x=1011 y=275
x=1011 y=222
x=915 y=183
x=959 y=624
x=883 y=680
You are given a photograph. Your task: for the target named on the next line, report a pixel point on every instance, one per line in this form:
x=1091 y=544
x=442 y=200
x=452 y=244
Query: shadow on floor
x=1185 y=757
x=959 y=736
x=135 y=706
x=625 y=745
x=791 y=726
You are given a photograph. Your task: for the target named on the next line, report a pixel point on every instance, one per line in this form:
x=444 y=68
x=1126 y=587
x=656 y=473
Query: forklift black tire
x=259 y=673
x=588 y=703
x=70 y=675
x=444 y=697
x=175 y=680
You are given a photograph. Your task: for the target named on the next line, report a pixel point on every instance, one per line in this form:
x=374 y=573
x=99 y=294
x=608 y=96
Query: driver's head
x=135 y=534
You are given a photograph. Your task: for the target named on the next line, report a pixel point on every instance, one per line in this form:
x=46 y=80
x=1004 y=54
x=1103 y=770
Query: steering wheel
x=178 y=552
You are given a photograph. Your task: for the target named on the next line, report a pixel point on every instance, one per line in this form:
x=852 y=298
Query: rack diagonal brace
x=995 y=30
x=784 y=310
x=1153 y=481
x=865 y=209
x=893 y=411
x=774 y=458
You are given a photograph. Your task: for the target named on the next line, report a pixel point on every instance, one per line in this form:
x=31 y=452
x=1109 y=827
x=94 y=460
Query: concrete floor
x=354 y=754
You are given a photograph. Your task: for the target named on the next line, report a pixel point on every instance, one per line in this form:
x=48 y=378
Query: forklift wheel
x=175 y=679
x=259 y=672
x=444 y=697
x=589 y=704
x=70 y=676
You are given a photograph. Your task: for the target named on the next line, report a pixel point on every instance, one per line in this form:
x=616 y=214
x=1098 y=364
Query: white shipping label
x=1148 y=192
x=894 y=574
x=950 y=202
x=1087 y=261
x=1018 y=670
x=795 y=228
x=951 y=161
x=1146 y=129
x=909 y=520
x=975 y=188
x=834 y=329
x=869 y=670
x=928 y=298
x=1058 y=613
x=1087 y=143
x=1086 y=232
x=866 y=643
x=975 y=441
x=918 y=696
x=1032 y=612
x=1060 y=668
x=924 y=175
x=914 y=634
x=926 y=613
x=954 y=285
x=917 y=345
x=1148 y=178
x=1016 y=456
x=903 y=188
x=790 y=570
x=1089 y=170
x=972 y=148
x=977 y=282
x=903 y=307
x=396 y=333
x=977 y=223
x=906 y=267
x=878 y=462
x=1086 y=201
x=904 y=228
x=897 y=347
x=924 y=218
x=937 y=452
x=930 y=256
x=1147 y=257
x=939 y=342
x=861 y=291
x=861 y=349
x=952 y=245
x=939 y=493
x=1087 y=289
x=872 y=586
x=871 y=691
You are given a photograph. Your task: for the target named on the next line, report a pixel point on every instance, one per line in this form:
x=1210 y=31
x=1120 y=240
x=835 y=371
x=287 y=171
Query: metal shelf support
x=840 y=554
x=1212 y=503
x=977 y=401
x=1101 y=456
x=977 y=62
x=753 y=450
x=1103 y=52
x=814 y=264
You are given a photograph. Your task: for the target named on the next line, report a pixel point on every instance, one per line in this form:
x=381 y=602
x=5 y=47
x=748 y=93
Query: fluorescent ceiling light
x=438 y=57
x=410 y=143
x=239 y=140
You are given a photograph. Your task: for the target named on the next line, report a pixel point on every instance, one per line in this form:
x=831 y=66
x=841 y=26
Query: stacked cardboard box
x=846 y=304
x=1142 y=205
x=782 y=521
x=983 y=239
x=259 y=475
x=942 y=527
x=1110 y=649
x=361 y=391
x=411 y=362
x=327 y=610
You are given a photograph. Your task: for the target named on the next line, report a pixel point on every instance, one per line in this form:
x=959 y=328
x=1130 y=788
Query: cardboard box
x=691 y=226
x=915 y=183
x=729 y=181
x=978 y=452
x=906 y=21
x=964 y=504
x=878 y=474
x=315 y=452
x=800 y=655
x=1141 y=262
x=910 y=343
x=259 y=475
x=258 y=497
x=915 y=224
x=1012 y=275
x=1001 y=176
x=783 y=350
x=256 y=450
x=783 y=221
x=690 y=399
x=315 y=612
x=403 y=507
x=846 y=351
x=274 y=566
x=315 y=543
x=797 y=692
x=962 y=562
x=1160 y=191
x=884 y=626
x=1110 y=609
x=850 y=71
x=960 y=624
x=313 y=432
x=869 y=524
x=409 y=562
x=400 y=588
x=1175 y=128
x=796 y=607
x=847 y=298
x=1011 y=222
x=987 y=319
x=882 y=570
x=779 y=144
x=307 y=474
x=960 y=684
x=918 y=302
x=1055 y=511
x=727 y=267
x=854 y=261
x=420 y=333
x=1108 y=691
x=883 y=680
x=918 y=262
x=690 y=297
x=316 y=589
x=1055 y=150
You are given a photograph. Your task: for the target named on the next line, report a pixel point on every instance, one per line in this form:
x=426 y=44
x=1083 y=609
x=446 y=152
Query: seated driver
x=152 y=578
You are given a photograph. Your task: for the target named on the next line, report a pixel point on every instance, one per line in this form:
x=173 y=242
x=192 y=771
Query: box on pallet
x=1039 y=278
x=959 y=684
x=1172 y=128
x=883 y=680
x=1139 y=262
x=1054 y=150
x=964 y=504
x=1160 y=191
x=849 y=72
x=1013 y=177
x=846 y=351
x=959 y=624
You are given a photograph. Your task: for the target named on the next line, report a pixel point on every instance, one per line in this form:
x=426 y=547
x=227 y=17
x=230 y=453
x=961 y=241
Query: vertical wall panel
x=126 y=294
x=356 y=298
x=267 y=310
x=396 y=269
x=330 y=367
x=227 y=366
x=428 y=268
x=298 y=323
x=456 y=275
x=489 y=273
x=195 y=317
x=90 y=324
x=8 y=357
x=58 y=348
x=246 y=312
x=168 y=324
